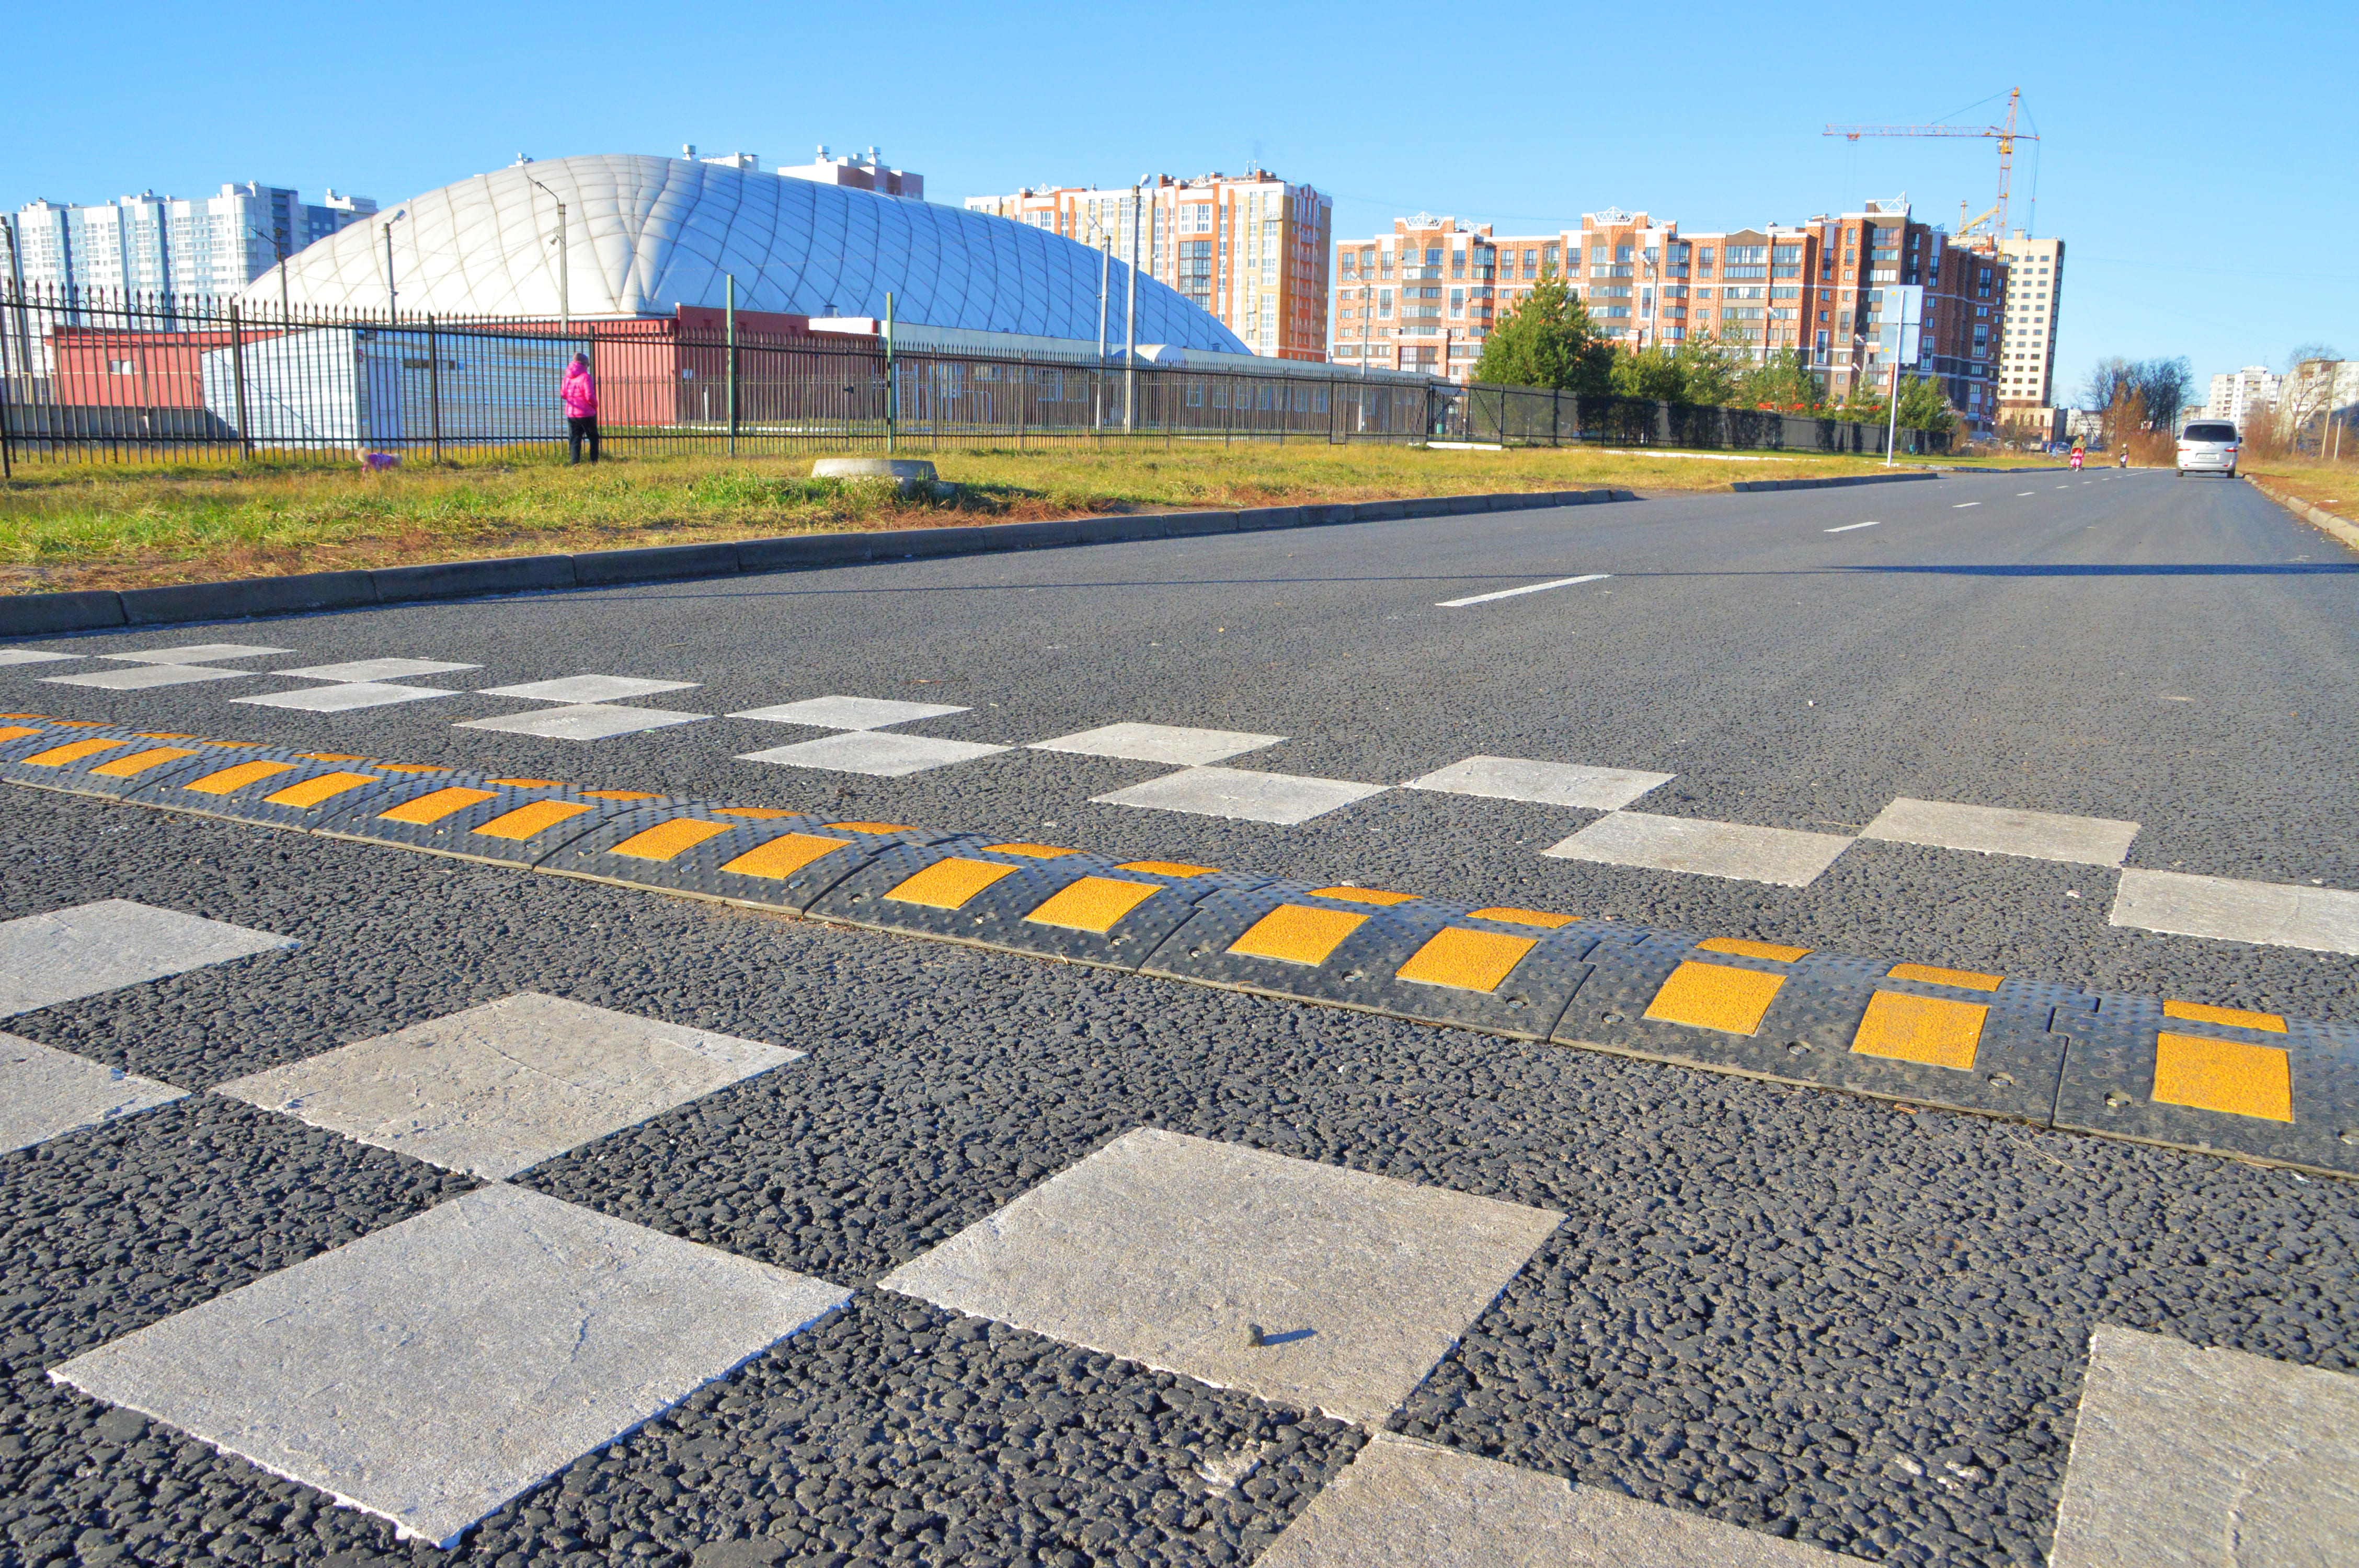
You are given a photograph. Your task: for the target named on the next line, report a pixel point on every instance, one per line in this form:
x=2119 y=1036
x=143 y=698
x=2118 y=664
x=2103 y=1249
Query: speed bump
x=1381 y=951
x=507 y=822
x=279 y=789
x=745 y=855
x=1025 y=898
x=2222 y=1080
x=109 y=761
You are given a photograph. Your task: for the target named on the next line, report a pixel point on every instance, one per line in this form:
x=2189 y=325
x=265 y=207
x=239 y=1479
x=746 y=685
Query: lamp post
x=392 y=295
x=278 y=245
x=564 y=287
x=1130 y=322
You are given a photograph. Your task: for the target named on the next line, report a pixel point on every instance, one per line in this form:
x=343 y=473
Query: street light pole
x=1130 y=324
x=564 y=286
x=277 y=246
x=392 y=295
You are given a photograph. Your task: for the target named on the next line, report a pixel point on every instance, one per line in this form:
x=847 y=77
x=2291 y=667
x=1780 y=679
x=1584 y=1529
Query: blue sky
x=2190 y=154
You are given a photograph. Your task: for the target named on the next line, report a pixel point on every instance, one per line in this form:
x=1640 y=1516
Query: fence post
x=237 y=374
x=434 y=385
x=730 y=321
x=7 y=440
x=892 y=384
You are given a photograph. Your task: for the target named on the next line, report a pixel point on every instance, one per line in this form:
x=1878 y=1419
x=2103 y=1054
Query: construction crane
x=2007 y=135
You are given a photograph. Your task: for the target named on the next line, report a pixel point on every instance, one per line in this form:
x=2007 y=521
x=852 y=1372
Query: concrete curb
x=1748 y=485
x=2341 y=529
x=46 y=614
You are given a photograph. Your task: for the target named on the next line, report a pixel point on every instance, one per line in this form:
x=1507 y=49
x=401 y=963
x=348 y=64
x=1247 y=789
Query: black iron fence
x=90 y=378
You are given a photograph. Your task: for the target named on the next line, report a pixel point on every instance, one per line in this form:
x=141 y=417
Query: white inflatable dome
x=647 y=234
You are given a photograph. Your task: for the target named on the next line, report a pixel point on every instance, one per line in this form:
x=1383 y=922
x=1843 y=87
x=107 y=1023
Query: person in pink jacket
x=580 y=391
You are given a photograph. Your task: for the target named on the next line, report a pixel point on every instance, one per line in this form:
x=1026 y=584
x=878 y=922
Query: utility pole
x=564 y=287
x=1130 y=324
x=392 y=295
x=278 y=245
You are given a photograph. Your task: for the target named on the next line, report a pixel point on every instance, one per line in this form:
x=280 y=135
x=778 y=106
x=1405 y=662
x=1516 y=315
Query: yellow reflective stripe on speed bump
x=784 y=855
x=1298 y=934
x=1362 y=895
x=873 y=826
x=1737 y=947
x=327 y=786
x=1715 y=996
x=1032 y=851
x=1525 y=917
x=1167 y=868
x=1933 y=974
x=2235 y=1018
x=526 y=820
x=1467 y=960
x=429 y=809
x=667 y=839
x=140 y=762
x=19 y=731
x=235 y=778
x=948 y=884
x=73 y=751
x=2231 y=1076
x=1932 y=1031
x=1093 y=904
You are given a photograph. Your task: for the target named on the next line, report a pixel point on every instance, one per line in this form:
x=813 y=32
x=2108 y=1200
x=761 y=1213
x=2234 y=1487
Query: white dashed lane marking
x=1849 y=526
x=1964 y=505
x=1528 y=587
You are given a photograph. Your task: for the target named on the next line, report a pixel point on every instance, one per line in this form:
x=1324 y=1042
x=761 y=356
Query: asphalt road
x=1808 y=1315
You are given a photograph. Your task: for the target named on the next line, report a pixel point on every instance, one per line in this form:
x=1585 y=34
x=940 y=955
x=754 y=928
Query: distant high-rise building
x=2235 y=395
x=203 y=247
x=1252 y=249
x=862 y=171
x=2035 y=288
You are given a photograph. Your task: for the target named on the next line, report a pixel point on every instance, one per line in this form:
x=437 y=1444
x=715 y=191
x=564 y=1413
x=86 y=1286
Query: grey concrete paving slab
x=1286 y=800
x=46 y=1092
x=198 y=653
x=102 y=946
x=873 y=752
x=1991 y=830
x=370 y=670
x=1305 y=1284
x=346 y=697
x=575 y=689
x=1405 y=1504
x=1173 y=743
x=1704 y=848
x=585 y=721
x=1545 y=784
x=147 y=677
x=429 y=1371
x=498 y=1088
x=2230 y=909
x=2188 y=1457
x=848 y=712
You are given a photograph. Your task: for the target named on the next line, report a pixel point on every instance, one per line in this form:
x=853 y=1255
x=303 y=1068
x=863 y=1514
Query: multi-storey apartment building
x=1251 y=249
x=1426 y=295
x=859 y=171
x=209 y=246
x=2238 y=395
x=2035 y=290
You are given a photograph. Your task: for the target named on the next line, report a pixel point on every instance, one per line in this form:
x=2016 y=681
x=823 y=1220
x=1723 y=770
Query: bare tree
x=2164 y=387
x=2306 y=393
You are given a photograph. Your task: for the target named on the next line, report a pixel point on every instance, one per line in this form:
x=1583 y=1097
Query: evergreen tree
x=1922 y=406
x=1711 y=372
x=1651 y=373
x=1784 y=384
x=1547 y=342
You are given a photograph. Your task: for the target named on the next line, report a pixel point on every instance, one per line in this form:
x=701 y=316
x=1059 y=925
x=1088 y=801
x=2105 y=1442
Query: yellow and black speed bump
x=514 y=822
x=2219 y=1079
x=748 y=855
x=1026 y=898
x=275 y=788
x=113 y=763
x=1508 y=971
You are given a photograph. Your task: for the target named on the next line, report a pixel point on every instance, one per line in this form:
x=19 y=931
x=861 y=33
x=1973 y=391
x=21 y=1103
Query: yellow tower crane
x=2007 y=135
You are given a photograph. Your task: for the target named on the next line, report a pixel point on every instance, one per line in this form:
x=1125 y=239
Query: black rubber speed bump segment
x=300 y=790
x=2215 y=1079
x=745 y=855
x=512 y=822
x=1507 y=971
x=1026 y=898
x=111 y=763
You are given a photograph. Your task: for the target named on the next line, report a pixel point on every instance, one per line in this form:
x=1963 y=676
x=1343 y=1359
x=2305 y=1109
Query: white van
x=2208 y=446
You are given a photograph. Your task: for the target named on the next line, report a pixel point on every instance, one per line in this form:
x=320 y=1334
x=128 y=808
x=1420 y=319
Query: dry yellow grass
x=73 y=526
x=2330 y=487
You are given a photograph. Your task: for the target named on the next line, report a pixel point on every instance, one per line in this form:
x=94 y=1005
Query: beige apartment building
x=1251 y=249
x=2027 y=353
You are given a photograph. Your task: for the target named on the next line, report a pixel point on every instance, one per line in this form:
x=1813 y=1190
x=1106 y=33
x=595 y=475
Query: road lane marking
x=1965 y=503
x=1529 y=588
x=2021 y=493
x=1849 y=526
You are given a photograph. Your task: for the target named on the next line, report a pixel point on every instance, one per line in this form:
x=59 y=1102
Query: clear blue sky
x=2196 y=158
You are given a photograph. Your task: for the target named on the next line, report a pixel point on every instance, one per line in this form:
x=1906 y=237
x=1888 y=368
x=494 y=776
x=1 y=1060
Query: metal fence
x=132 y=380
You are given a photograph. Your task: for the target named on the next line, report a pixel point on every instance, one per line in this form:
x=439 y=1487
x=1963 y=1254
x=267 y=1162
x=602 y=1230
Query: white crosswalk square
x=376 y=670
x=344 y=697
x=501 y=1087
x=1282 y=798
x=430 y=1371
x=1728 y=850
x=1991 y=830
x=1405 y=1504
x=588 y=688
x=848 y=712
x=68 y=954
x=2187 y=1458
x=145 y=677
x=32 y=657
x=198 y=654
x=45 y=1093
x=1544 y=783
x=1309 y=1285
x=877 y=754
x=1159 y=743
x=587 y=721
x=2323 y=920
